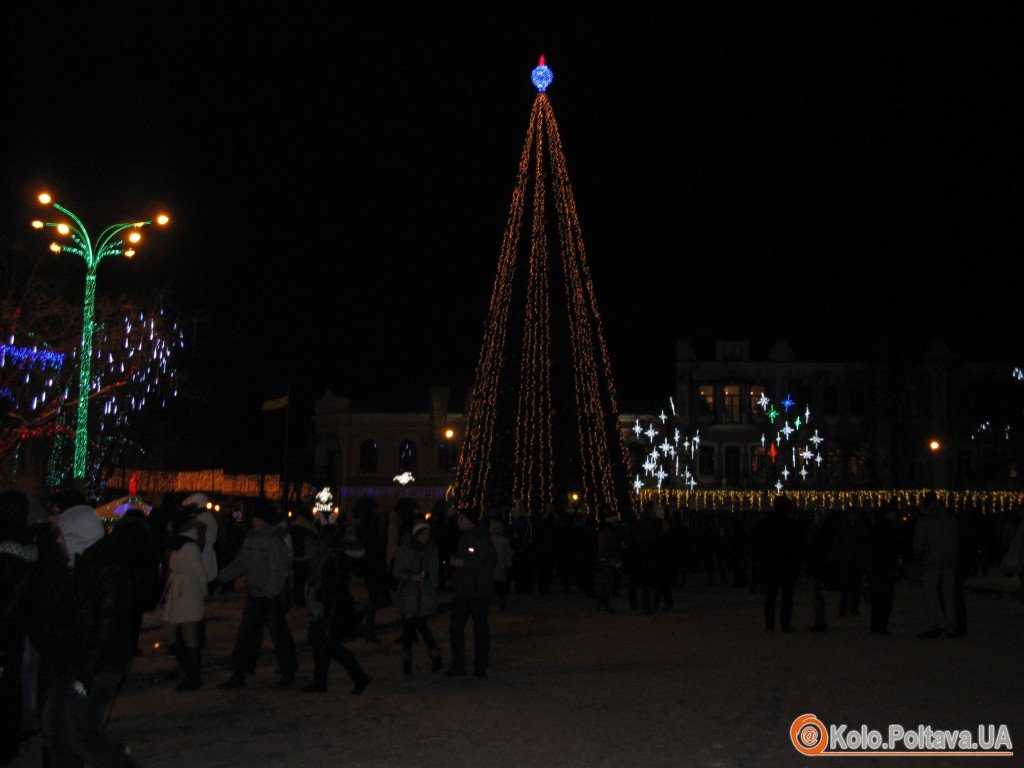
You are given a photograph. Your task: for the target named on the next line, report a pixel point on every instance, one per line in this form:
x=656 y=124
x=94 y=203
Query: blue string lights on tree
x=33 y=356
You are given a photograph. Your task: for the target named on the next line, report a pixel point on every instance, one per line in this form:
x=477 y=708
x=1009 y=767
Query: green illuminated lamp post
x=110 y=243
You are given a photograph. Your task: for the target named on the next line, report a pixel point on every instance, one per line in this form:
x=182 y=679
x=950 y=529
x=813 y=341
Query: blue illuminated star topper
x=542 y=75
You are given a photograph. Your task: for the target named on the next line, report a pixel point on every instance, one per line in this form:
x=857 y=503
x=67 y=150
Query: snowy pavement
x=703 y=685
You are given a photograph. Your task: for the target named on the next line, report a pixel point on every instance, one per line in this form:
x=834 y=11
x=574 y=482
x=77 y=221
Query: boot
x=237 y=680
x=179 y=651
x=360 y=684
x=192 y=681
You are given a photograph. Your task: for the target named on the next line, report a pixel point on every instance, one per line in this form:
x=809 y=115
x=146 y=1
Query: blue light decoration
x=788 y=403
x=542 y=76
x=32 y=356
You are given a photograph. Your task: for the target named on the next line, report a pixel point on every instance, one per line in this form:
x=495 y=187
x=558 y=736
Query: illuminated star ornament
x=763 y=402
x=404 y=479
x=542 y=76
x=788 y=403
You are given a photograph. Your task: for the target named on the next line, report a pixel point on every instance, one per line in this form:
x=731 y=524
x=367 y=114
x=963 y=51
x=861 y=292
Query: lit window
x=731 y=404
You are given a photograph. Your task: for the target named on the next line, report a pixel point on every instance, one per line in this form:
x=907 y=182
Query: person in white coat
x=198 y=506
x=184 y=600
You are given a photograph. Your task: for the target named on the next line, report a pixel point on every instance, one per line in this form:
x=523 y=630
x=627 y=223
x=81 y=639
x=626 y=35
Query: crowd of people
x=74 y=593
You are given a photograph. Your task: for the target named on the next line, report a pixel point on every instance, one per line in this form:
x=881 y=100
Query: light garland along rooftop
x=725 y=500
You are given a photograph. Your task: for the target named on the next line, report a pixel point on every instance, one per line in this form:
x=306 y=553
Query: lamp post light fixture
x=111 y=242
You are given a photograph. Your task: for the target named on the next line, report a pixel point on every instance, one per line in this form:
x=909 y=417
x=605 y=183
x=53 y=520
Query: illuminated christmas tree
x=541 y=425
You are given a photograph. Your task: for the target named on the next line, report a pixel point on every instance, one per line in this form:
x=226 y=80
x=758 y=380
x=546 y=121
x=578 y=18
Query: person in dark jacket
x=330 y=605
x=882 y=567
x=18 y=557
x=780 y=540
x=264 y=561
x=645 y=544
x=101 y=642
x=818 y=563
x=609 y=557
x=473 y=583
x=851 y=559
x=417 y=571
x=967 y=562
x=374 y=569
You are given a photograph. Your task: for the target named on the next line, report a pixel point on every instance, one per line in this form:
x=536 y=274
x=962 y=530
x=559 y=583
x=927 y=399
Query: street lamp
x=111 y=242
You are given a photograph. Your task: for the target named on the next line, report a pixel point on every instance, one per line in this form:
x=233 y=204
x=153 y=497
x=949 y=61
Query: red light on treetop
x=541 y=62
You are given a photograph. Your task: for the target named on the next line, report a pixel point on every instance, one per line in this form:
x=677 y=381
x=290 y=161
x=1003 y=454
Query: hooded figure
x=81 y=528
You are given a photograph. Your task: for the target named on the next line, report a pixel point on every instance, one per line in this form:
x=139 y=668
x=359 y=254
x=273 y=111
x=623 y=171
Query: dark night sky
x=340 y=179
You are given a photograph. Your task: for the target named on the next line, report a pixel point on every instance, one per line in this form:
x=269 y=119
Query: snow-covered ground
x=703 y=685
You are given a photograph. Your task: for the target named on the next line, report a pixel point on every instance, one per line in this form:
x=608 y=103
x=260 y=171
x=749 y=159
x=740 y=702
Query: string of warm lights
x=760 y=500
x=601 y=478
x=592 y=380
x=473 y=474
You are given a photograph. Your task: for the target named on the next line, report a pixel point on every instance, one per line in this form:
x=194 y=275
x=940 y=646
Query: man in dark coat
x=883 y=565
x=102 y=638
x=331 y=608
x=473 y=583
x=780 y=539
x=18 y=557
x=851 y=559
x=646 y=540
x=609 y=557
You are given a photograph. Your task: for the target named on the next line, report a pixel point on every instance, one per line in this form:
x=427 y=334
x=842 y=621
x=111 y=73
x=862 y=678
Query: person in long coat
x=418 y=573
x=330 y=604
x=184 y=599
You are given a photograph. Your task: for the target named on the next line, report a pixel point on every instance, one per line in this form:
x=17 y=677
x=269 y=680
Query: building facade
x=906 y=421
x=387 y=456
x=910 y=421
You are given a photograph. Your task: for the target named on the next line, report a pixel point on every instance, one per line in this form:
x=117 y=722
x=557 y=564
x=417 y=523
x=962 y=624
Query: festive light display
x=542 y=76
x=132 y=367
x=989 y=502
x=404 y=479
x=31 y=356
x=215 y=481
x=324 y=507
x=109 y=243
x=551 y=373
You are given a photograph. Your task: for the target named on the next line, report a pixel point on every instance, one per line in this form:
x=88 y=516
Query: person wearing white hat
x=200 y=502
x=198 y=506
